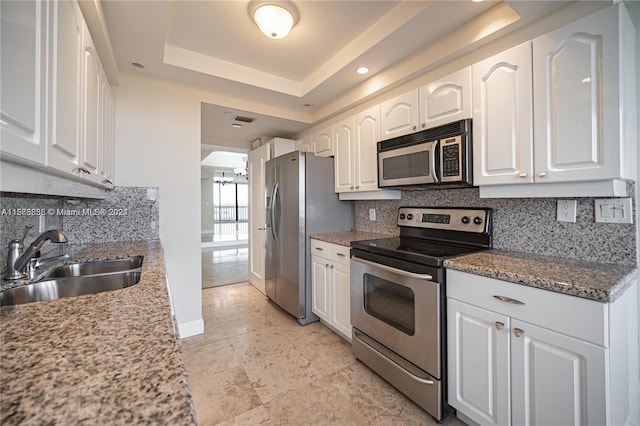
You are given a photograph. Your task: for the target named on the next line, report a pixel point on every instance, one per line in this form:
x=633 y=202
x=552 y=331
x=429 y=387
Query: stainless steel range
x=398 y=296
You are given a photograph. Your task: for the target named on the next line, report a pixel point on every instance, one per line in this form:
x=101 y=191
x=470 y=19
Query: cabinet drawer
x=321 y=248
x=574 y=316
x=340 y=254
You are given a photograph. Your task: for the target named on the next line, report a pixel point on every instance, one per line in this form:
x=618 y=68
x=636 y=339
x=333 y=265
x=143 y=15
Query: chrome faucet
x=17 y=260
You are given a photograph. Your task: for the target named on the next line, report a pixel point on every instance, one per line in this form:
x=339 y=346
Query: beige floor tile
x=253 y=346
x=255 y=416
x=315 y=404
x=221 y=396
x=276 y=374
x=211 y=357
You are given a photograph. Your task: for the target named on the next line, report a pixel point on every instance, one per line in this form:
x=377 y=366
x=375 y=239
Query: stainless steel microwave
x=440 y=157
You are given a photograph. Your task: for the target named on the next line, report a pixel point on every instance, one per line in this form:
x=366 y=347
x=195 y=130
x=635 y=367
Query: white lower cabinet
x=537 y=357
x=331 y=286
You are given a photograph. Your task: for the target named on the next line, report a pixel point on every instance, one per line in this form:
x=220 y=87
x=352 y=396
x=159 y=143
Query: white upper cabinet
x=107 y=159
x=323 y=142
x=305 y=144
x=92 y=112
x=446 y=100
x=399 y=116
x=344 y=162
x=502 y=118
x=365 y=149
x=582 y=92
x=65 y=101
x=356 y=169
x=23 y=80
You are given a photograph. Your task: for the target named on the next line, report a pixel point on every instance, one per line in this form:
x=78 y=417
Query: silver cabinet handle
x=499 y=325
x=319 y=248
x=518 y=332
x=341 y=254
x=508 y=300
x=262 y=229
x=542 y=174
x=107 y=181
x=523 y=175
x=394 y=270
x=83 y=170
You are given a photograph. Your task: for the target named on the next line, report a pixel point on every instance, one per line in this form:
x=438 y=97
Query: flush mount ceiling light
x=274 y=18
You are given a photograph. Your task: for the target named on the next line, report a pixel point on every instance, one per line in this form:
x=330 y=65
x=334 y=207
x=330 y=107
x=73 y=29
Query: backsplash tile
x=125 y=214
x=524 y=224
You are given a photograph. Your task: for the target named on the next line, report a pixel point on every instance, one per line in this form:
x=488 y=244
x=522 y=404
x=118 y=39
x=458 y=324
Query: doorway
x=224 y=233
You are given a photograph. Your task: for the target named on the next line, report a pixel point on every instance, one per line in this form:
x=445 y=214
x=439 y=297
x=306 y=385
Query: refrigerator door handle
x=275 y=214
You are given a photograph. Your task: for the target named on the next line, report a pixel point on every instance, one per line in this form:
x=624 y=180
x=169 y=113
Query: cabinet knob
x=542 y=174
x=352 y=187
x=424 y=125
x=326 y=265
x=357 y=186
x=331 y=267
x=518 y=332
x=499 y=325
x=523 y=175
x=414 y=127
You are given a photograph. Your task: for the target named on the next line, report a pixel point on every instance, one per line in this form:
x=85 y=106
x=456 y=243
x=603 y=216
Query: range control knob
x=477 y=220
x=465 y=219
x=402 y=216
x=409 y=216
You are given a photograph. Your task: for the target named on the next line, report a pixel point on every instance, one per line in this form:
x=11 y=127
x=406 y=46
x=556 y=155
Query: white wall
x=158 y=144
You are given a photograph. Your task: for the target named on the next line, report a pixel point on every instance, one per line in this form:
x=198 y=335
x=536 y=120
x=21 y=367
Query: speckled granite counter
x=345 y=238
x=109 y=358
x=595 y=281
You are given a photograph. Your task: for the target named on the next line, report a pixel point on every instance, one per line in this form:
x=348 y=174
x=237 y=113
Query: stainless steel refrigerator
x=300 y=201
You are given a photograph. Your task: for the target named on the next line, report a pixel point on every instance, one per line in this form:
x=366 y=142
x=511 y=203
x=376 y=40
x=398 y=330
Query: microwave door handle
x=394 y=270
x=435 y=161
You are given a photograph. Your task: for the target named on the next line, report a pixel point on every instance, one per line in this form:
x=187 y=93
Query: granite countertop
x=594 y=281
x=345 y=238
x=108 y=358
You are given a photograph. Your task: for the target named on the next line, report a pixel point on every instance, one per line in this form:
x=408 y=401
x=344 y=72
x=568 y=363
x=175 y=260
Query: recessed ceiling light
x=236 y=125
x=476 y=1
x=362 y=70
x=137 y=65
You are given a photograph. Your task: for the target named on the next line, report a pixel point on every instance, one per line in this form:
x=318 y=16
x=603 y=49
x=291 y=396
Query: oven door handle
x=394 y=270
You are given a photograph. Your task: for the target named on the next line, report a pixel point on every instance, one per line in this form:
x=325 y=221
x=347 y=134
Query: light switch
x=614 y=210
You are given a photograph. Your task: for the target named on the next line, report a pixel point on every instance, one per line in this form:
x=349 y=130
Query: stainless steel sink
x=98 y=267
x=52 y=289
x=76 y=279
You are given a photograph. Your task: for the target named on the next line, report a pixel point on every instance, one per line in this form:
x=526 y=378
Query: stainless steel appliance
x=434 y=158
x=300 y=201
x=398 y=298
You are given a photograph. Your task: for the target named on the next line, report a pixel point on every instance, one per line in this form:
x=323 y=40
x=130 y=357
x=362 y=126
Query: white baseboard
x=191 y=328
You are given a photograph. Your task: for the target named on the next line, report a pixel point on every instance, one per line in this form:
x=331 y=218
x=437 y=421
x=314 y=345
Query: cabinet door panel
x=340 y=300
x=66 y=87
x=478 y=363
x=92 y=139
x=502 y=120
x=577 y=100
x=23 y=73
x=446 y=100
x=399 y=116
x=556 y=379
x=343 y=161
x=367 y=126
x=320 y=283
x=323 y=142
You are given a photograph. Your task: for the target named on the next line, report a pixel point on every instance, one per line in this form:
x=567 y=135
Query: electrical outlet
x=567 y=210
x=372 y=214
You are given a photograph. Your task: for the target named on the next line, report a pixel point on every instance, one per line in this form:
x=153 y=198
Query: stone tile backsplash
x=125 y=214
x=523 y=224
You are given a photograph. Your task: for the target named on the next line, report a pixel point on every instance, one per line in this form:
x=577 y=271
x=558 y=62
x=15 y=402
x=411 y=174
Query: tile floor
x=256 y=365
x=222 y=267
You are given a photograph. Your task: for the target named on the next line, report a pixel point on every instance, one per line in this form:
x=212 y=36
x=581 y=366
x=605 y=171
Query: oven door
x=400 y=310
x=411 y=165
